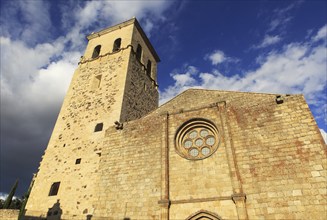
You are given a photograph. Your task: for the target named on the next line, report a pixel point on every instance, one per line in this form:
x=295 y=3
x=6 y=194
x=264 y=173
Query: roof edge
x=214 y=90
x=124 y=24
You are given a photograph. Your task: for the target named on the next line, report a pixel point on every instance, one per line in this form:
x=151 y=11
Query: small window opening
x=54 y=189
x=139 y=52
x=98 y=127
x=117 y=44
x=78 y=161
x=279 y=99
x=97 y=81
x=96 y=51
x=148 y=68
x=55 y=212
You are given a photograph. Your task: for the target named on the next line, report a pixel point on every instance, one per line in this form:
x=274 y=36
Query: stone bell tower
x=120 y=68
x=115 y=81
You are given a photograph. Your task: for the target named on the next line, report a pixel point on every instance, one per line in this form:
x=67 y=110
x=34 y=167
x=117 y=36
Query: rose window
x=197 y=139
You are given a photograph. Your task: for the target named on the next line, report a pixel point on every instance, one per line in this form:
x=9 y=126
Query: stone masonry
x=241 y=155
x=9 y=214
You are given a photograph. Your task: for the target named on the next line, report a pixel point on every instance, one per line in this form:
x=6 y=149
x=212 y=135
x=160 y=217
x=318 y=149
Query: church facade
x=205 y=154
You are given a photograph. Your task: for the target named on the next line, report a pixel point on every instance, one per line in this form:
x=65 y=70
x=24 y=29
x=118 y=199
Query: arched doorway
x=204 y=215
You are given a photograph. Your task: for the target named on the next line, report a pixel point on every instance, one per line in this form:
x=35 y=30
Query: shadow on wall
x=54 y=213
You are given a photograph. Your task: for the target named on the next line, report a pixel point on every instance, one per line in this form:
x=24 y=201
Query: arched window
x=148 y=68
x=117 y=44
x=138 y=52
x=96 y=51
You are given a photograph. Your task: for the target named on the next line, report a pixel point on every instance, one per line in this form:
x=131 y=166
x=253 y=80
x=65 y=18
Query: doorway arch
x=204 y=215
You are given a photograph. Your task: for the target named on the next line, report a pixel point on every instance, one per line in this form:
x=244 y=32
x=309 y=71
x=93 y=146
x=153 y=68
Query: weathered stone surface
x=105 y=89
x=270 y=162
x=9 y=214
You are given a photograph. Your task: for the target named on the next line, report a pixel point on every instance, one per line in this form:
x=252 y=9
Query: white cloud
x=27 y=61
x=122 y=10
x=37 y=17
x=184 y=79
x=3 y=196
x=324 y=135
x=279 y=23
x=297 y=68
x=217 y=57
x=33 y=82
x=54 y=80
x=34 y=73
x=34 y=24
x=88 y=14
x=106 y=13
x=322 y=34
x=282 y=17
x=279 y=19
x=269 y=40
x=148 y=26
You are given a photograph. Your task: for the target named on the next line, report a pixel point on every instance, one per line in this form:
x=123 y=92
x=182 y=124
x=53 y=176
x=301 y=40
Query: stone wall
x=281 y=159
x=130 y=172
x=204 y=184
x=269 y=163
x=141 y=93
x=146 y=52
x=74 y=137
x=277 y=149
x=9 y=214
x=100 y=91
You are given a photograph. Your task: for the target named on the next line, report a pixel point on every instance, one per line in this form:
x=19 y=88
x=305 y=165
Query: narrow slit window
x=117 y=45
x=78 y=161
x=138 y=52
x=54 y=189
x=98 y=127
x=97 y=81
x=148 y=68
x=96 y=51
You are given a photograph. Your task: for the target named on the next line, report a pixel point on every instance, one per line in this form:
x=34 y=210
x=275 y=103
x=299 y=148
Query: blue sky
x=256 y=46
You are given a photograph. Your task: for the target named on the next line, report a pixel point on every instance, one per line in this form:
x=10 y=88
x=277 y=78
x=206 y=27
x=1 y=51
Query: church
x=206 y=154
